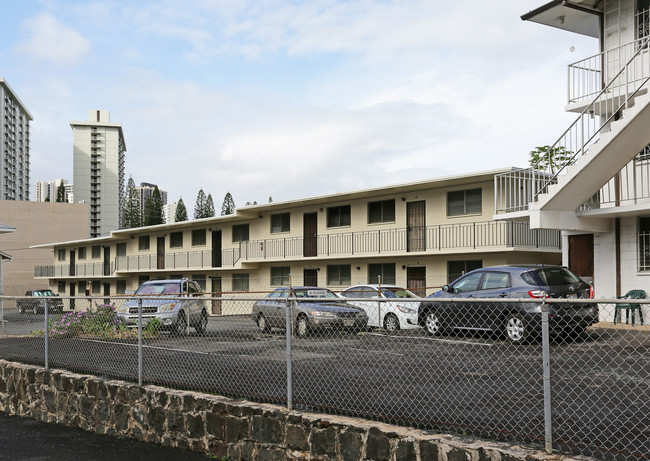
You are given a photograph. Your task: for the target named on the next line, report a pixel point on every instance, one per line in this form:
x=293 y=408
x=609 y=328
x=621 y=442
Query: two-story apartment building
x=600 y=195
x=421 y=235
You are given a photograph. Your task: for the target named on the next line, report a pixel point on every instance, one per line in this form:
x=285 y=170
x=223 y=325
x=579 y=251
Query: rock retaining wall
x=225 y=427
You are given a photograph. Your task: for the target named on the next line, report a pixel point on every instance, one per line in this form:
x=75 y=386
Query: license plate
x=348 y=323
x=572 y=296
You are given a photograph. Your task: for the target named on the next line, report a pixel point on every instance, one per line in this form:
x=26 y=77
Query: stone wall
x=224 y=427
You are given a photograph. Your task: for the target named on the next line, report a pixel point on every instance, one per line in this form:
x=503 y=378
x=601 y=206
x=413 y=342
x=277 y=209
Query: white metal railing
x=628 y=186
x=583 y=132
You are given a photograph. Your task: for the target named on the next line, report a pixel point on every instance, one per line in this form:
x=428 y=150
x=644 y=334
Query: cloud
x=50 y=40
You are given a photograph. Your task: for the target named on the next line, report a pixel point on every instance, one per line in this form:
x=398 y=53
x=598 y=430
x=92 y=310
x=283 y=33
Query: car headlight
x=322 y=314
x=123 y=309
x=406 y=310
x=166 y=307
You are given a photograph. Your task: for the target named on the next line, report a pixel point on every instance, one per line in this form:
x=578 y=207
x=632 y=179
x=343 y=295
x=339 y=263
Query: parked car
x=391 y=315
x=34 y=302
x=328 y=312
x=177 y=303
x=519 y=321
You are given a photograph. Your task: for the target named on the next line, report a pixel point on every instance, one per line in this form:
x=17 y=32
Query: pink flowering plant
x=100 y=321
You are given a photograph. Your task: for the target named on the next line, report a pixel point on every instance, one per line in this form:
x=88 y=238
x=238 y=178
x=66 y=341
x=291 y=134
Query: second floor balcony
x=449 y=238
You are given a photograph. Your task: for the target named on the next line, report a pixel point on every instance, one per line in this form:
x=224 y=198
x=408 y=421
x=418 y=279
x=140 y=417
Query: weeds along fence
x=557 y=374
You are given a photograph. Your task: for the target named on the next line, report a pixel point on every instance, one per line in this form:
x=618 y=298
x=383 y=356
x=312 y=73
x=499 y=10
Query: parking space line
x=471 y=343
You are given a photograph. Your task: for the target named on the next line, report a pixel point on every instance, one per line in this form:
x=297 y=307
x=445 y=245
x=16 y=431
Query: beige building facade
x=36 y=223
x=421 y=235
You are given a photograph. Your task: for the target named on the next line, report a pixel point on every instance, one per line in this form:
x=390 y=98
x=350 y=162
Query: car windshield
x=550 y=276
x=165 y=288
x=397 y=293
x=44 y=293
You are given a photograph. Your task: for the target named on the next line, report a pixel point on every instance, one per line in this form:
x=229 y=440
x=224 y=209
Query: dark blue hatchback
x=456 y=307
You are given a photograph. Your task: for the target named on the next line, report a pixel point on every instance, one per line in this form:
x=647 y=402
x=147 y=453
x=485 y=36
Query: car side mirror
x=445 y=288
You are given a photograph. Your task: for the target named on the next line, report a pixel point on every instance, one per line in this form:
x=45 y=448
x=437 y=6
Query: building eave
x=574 y=16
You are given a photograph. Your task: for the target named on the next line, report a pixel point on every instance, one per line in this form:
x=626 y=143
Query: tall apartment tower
x=98 y=164
x=14 y=145
x=145 y=191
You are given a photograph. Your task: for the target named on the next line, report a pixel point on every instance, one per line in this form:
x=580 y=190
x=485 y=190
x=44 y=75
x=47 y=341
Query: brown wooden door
x=310 y=277
x=310 y=234
x=416 y=280
x=161 y=253
x=216 y=249
x=72 y=293
x=581 y=256
x=216 y=293
x=72 y=263
x=415 y=226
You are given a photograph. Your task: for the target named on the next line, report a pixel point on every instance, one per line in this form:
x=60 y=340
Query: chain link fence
x=548 y=373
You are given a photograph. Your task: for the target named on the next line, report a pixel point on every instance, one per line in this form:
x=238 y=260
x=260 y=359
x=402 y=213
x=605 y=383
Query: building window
x=240 y=282
x=386 y=271
x=81 y=253
x=142 y=279
x=96 y=252
x=456 y=269
x=61 y=255
x=61 y=288
x=120 y=249
x=338 y=216
x=96 y=286
x=143 y=242
x=176 y=240
x=239 y=233
x=280 y=223
x=120 y=287
x=280 y=276
x=339 y=274
x=200 y=279
x=198 y=237
x=381 y=212
x=463 y=202
x=644 y=244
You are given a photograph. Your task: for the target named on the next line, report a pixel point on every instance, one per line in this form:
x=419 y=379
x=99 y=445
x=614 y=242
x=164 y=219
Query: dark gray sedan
x=315 y=309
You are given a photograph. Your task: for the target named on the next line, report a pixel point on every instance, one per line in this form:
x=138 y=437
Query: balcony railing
x=433 y=239
x=97 y=269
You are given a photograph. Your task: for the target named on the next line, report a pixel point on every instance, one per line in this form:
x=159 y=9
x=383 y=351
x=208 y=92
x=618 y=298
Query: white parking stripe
x=454 y=341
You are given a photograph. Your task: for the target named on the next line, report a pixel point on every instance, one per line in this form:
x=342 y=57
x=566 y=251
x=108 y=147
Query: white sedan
x=394 y=314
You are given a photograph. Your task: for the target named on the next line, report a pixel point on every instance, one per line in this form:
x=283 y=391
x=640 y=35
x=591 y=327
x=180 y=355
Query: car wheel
x=432 y=323
x=302 y=326
x=180 y=328
x=391 y=323
x=203 y=323
x=21 y=310
x=516 y=328
x=262 y=324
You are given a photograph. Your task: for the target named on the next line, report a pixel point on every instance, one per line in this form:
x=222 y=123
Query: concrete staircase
x=556 y=208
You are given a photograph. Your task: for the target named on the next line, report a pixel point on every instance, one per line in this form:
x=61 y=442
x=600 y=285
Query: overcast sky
x=289 y=98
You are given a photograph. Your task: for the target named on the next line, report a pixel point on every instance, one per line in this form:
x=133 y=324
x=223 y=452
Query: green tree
x=60 y=193
x=153 y=212
x=270 y=199
x=209 y=207
x=200 y=205
x=181 y=211
x=228 y=206
x=47 y=199
x=550 y=159
x=131 y=211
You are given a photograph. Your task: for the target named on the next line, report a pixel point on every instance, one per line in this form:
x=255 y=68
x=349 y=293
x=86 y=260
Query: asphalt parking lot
x=468 y=383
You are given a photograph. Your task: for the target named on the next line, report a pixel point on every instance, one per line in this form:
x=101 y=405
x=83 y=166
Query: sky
x=290 y=99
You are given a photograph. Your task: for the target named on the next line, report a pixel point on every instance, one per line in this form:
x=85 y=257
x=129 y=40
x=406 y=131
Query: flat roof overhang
x=581 y=17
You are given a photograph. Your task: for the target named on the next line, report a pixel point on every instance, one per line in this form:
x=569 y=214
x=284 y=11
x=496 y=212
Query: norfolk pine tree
x=181 y=211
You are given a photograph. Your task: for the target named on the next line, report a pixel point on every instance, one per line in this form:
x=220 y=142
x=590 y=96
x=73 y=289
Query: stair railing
x=575 y=140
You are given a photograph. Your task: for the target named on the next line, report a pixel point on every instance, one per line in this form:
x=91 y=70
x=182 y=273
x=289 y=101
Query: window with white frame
x=280 y=223
x=381 y=212
x=240 y=282
x=280 y=276
x=339 y=274
x=464 y=202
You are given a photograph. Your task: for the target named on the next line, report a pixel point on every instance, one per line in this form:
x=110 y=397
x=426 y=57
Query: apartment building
x=14 y=145
x=599 y=195
x=98 y=170
x=48 y=191
x=145 y=191
x=421 y=235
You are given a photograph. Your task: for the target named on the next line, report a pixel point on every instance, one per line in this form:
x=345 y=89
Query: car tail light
x=591 y=292
x=538 y=294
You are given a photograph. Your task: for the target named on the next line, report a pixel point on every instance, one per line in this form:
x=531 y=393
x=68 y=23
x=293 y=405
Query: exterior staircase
x=607 y=135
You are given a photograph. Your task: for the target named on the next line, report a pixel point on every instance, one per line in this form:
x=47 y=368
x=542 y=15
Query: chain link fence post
x=46 y=331
x=288 y=330
x=546 y=366
x=140 y=342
